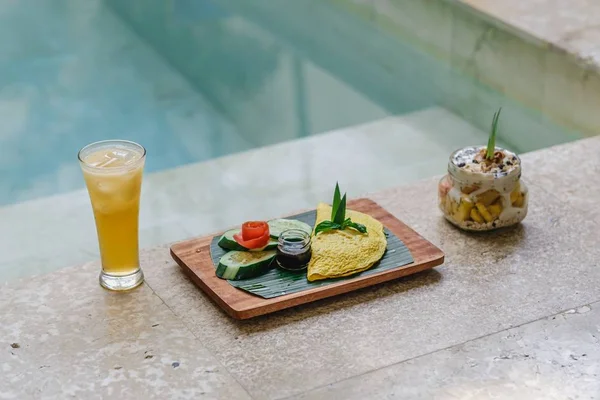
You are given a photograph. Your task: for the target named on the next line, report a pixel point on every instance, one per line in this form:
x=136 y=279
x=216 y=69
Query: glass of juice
x=113 y=174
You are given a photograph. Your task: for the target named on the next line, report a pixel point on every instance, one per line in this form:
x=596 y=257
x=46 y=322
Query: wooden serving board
x=194 y=257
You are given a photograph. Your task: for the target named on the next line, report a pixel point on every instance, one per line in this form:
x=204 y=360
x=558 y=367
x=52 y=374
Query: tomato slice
x=254 y=229
x=255 y=243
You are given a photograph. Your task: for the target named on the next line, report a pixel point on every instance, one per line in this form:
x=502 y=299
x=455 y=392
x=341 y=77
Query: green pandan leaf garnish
x=491 y=147
x=338 y=216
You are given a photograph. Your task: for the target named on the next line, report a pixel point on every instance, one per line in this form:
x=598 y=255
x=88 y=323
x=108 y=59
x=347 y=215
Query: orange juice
x=113 y=175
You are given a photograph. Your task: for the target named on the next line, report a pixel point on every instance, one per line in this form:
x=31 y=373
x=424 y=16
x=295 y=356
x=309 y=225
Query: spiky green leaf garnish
x=338 y=216
x=336 y=201
x=491 y=147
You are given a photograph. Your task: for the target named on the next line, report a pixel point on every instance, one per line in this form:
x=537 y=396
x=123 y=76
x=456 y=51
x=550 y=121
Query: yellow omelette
x=337 y=253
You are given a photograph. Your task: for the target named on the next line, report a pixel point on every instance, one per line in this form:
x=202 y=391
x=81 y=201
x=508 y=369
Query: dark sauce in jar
x=293 y=250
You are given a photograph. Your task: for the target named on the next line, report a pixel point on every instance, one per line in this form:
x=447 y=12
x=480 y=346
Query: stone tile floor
x=556 y=357
x=571 y=26
x=68 y=339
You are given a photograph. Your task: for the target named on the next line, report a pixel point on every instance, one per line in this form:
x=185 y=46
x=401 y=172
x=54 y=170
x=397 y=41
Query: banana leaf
x=278 y=282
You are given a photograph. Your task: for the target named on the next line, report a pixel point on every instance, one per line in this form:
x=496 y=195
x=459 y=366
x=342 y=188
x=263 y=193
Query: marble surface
x=571 y=26
x=569 y=172
x=475 y=293
x=553 y=50
x=535 y=53
x=512 y=314
x=70 y=338
x=554 y=358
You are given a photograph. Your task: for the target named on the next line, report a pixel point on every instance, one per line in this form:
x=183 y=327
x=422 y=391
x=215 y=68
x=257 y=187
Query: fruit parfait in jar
x=479 y=194
x=483 y=189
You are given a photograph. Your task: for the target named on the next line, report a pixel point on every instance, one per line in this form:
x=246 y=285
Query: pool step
x=258 y=184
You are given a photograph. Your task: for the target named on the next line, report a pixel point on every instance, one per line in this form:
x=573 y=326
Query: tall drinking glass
x=113 y=174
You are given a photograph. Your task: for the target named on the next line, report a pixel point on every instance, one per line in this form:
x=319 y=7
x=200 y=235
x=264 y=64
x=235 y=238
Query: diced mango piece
x=519 y=201
x=488 y=197
x=463 y=210
x=476 y=216
x=514 y=196
x=484 y=212
x=495 y=209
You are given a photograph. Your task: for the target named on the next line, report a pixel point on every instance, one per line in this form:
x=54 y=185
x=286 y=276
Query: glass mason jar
x=479 y=194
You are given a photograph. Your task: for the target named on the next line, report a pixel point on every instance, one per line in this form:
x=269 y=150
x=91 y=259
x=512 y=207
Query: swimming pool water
x=193 y=80
x=72 y=73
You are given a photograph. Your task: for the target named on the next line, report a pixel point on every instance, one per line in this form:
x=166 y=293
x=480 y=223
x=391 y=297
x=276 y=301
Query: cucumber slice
x=237 y=265
x=227 y=242
x=277 y=226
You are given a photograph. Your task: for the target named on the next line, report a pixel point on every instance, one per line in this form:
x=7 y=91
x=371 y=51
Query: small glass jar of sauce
x=293 y=250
